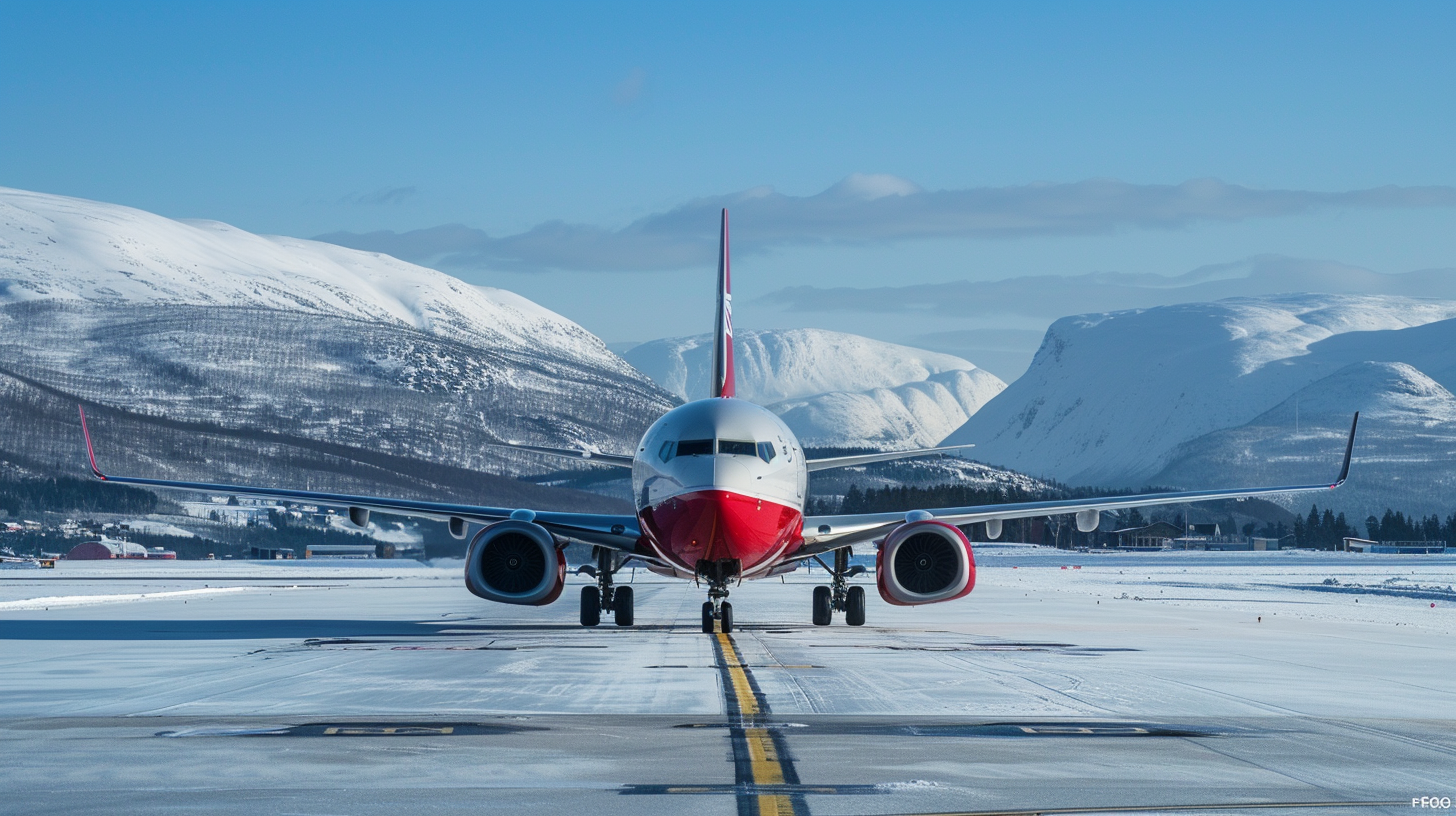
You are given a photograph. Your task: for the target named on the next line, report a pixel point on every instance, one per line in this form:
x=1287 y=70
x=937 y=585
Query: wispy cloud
x=382 y=196
x=1050 y=297
x=865 y=209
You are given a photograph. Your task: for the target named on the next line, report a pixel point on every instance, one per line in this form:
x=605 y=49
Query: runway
x=1193 y=685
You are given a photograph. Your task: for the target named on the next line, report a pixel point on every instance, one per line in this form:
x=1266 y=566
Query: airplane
x=719 y=486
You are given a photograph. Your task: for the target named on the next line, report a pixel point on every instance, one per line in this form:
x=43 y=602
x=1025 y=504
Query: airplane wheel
x=591 y=606
x=854 y=606
x=707 y=617
x=725 y=617
x=823 y=614
x=622 y=606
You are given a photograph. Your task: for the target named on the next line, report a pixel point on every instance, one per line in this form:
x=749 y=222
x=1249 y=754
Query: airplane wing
x=613 y=459
x=866 y=458
x=617 y=532
x=824 y=533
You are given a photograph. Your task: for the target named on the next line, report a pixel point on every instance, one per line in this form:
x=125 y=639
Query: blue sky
x=627 y=120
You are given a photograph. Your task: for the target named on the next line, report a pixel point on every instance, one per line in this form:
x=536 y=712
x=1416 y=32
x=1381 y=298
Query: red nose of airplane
x=711 y=525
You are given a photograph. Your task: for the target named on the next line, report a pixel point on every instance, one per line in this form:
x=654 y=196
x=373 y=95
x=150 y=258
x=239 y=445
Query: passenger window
x=695 y=447
x=666 y=452
x=766 y=451
x=737 y=448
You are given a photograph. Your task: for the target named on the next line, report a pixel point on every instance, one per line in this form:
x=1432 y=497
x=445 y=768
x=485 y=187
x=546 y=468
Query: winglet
x=90 y=452
x=1349 y=449
x=723 y=336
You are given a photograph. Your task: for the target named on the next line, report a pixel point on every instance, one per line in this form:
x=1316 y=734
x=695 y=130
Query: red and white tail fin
x=723 y=338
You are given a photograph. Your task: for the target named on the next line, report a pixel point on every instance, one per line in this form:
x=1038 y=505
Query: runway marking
x=766 y=783
x=358 y=729
x=818 y=790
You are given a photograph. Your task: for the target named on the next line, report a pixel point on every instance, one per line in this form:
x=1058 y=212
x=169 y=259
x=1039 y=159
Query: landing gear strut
x=839 y=596
x=604 y=597
x=717 y=608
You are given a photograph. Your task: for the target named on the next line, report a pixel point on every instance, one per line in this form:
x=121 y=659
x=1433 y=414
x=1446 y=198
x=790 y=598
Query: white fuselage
x=720 y=479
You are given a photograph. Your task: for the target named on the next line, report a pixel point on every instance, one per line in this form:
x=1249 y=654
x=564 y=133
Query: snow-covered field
x=1064 y=679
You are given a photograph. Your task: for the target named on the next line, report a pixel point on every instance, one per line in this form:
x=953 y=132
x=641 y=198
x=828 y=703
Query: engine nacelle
x=923 y=562
x=515 y=562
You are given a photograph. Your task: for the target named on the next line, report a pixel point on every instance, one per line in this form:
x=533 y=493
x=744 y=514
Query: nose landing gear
x=604 y=597
x=716 y=608
x=839 y=596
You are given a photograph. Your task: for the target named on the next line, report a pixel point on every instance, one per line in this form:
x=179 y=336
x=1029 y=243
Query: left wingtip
x=90 y=451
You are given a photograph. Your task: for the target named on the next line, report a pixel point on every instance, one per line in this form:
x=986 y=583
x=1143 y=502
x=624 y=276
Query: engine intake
x=923 y=562
x=515 y=562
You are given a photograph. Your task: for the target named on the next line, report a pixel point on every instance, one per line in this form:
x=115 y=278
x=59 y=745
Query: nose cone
x=711 y=525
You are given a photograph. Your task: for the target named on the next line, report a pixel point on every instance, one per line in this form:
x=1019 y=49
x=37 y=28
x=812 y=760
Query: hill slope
x=833 y=389
x=1156 y=395
x=197 y=343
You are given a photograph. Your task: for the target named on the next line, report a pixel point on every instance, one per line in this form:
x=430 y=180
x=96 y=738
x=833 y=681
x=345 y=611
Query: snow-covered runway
x=316 y=687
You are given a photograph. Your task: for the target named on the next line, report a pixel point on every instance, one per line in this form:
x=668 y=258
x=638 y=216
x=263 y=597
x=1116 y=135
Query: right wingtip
x=90 y=451
x=1349 y=451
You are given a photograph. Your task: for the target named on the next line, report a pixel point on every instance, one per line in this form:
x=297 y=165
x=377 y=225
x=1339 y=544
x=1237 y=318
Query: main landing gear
x=604 y=597
x=839 y=596
x=717 y=608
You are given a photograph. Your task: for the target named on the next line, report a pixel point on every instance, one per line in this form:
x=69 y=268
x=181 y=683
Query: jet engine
x=515 y=562
x=923 y=562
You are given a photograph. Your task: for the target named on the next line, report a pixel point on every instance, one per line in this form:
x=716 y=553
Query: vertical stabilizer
x=723 y=337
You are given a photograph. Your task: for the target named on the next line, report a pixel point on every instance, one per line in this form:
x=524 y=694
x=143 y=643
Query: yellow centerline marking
x=742 y=689
x=764 y=764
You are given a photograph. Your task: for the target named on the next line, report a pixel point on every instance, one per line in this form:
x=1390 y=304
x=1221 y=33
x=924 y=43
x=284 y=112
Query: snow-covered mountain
x=916 y=414
x=1407 y=448
x=833 y=389
x=197 y=344
x=1201 y=395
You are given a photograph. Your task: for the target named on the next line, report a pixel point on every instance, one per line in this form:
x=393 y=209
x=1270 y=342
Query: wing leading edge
x=887 y=456
x=823 y=533
x=613 y=459
x=615 y=532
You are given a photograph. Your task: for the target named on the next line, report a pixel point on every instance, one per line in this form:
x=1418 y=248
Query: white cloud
x=865 y=209
x=1053 y=296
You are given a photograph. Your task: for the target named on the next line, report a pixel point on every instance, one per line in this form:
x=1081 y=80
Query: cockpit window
x=737 y=448
x=666 y=452
x=766 y=451
x=695 y=447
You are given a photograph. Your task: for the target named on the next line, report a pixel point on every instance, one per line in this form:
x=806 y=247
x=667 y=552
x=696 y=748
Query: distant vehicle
x=719 y=487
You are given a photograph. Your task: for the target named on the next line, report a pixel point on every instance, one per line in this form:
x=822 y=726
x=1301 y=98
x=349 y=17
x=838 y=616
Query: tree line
x=65 y=494
x=1326 y=530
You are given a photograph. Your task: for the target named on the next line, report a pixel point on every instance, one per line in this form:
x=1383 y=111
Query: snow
x=157 y=528
x=54 y=247
x=916 y=414
x=323 y=350
x=1288 y=692
x=1110 y=397
x=780 y=364
x=833 y=389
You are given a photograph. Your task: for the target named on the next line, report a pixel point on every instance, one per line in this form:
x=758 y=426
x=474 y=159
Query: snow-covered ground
x=1065 y=679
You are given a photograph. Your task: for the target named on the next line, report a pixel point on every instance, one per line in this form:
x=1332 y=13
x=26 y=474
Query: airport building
x=106 y=549
x=1395 y=547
